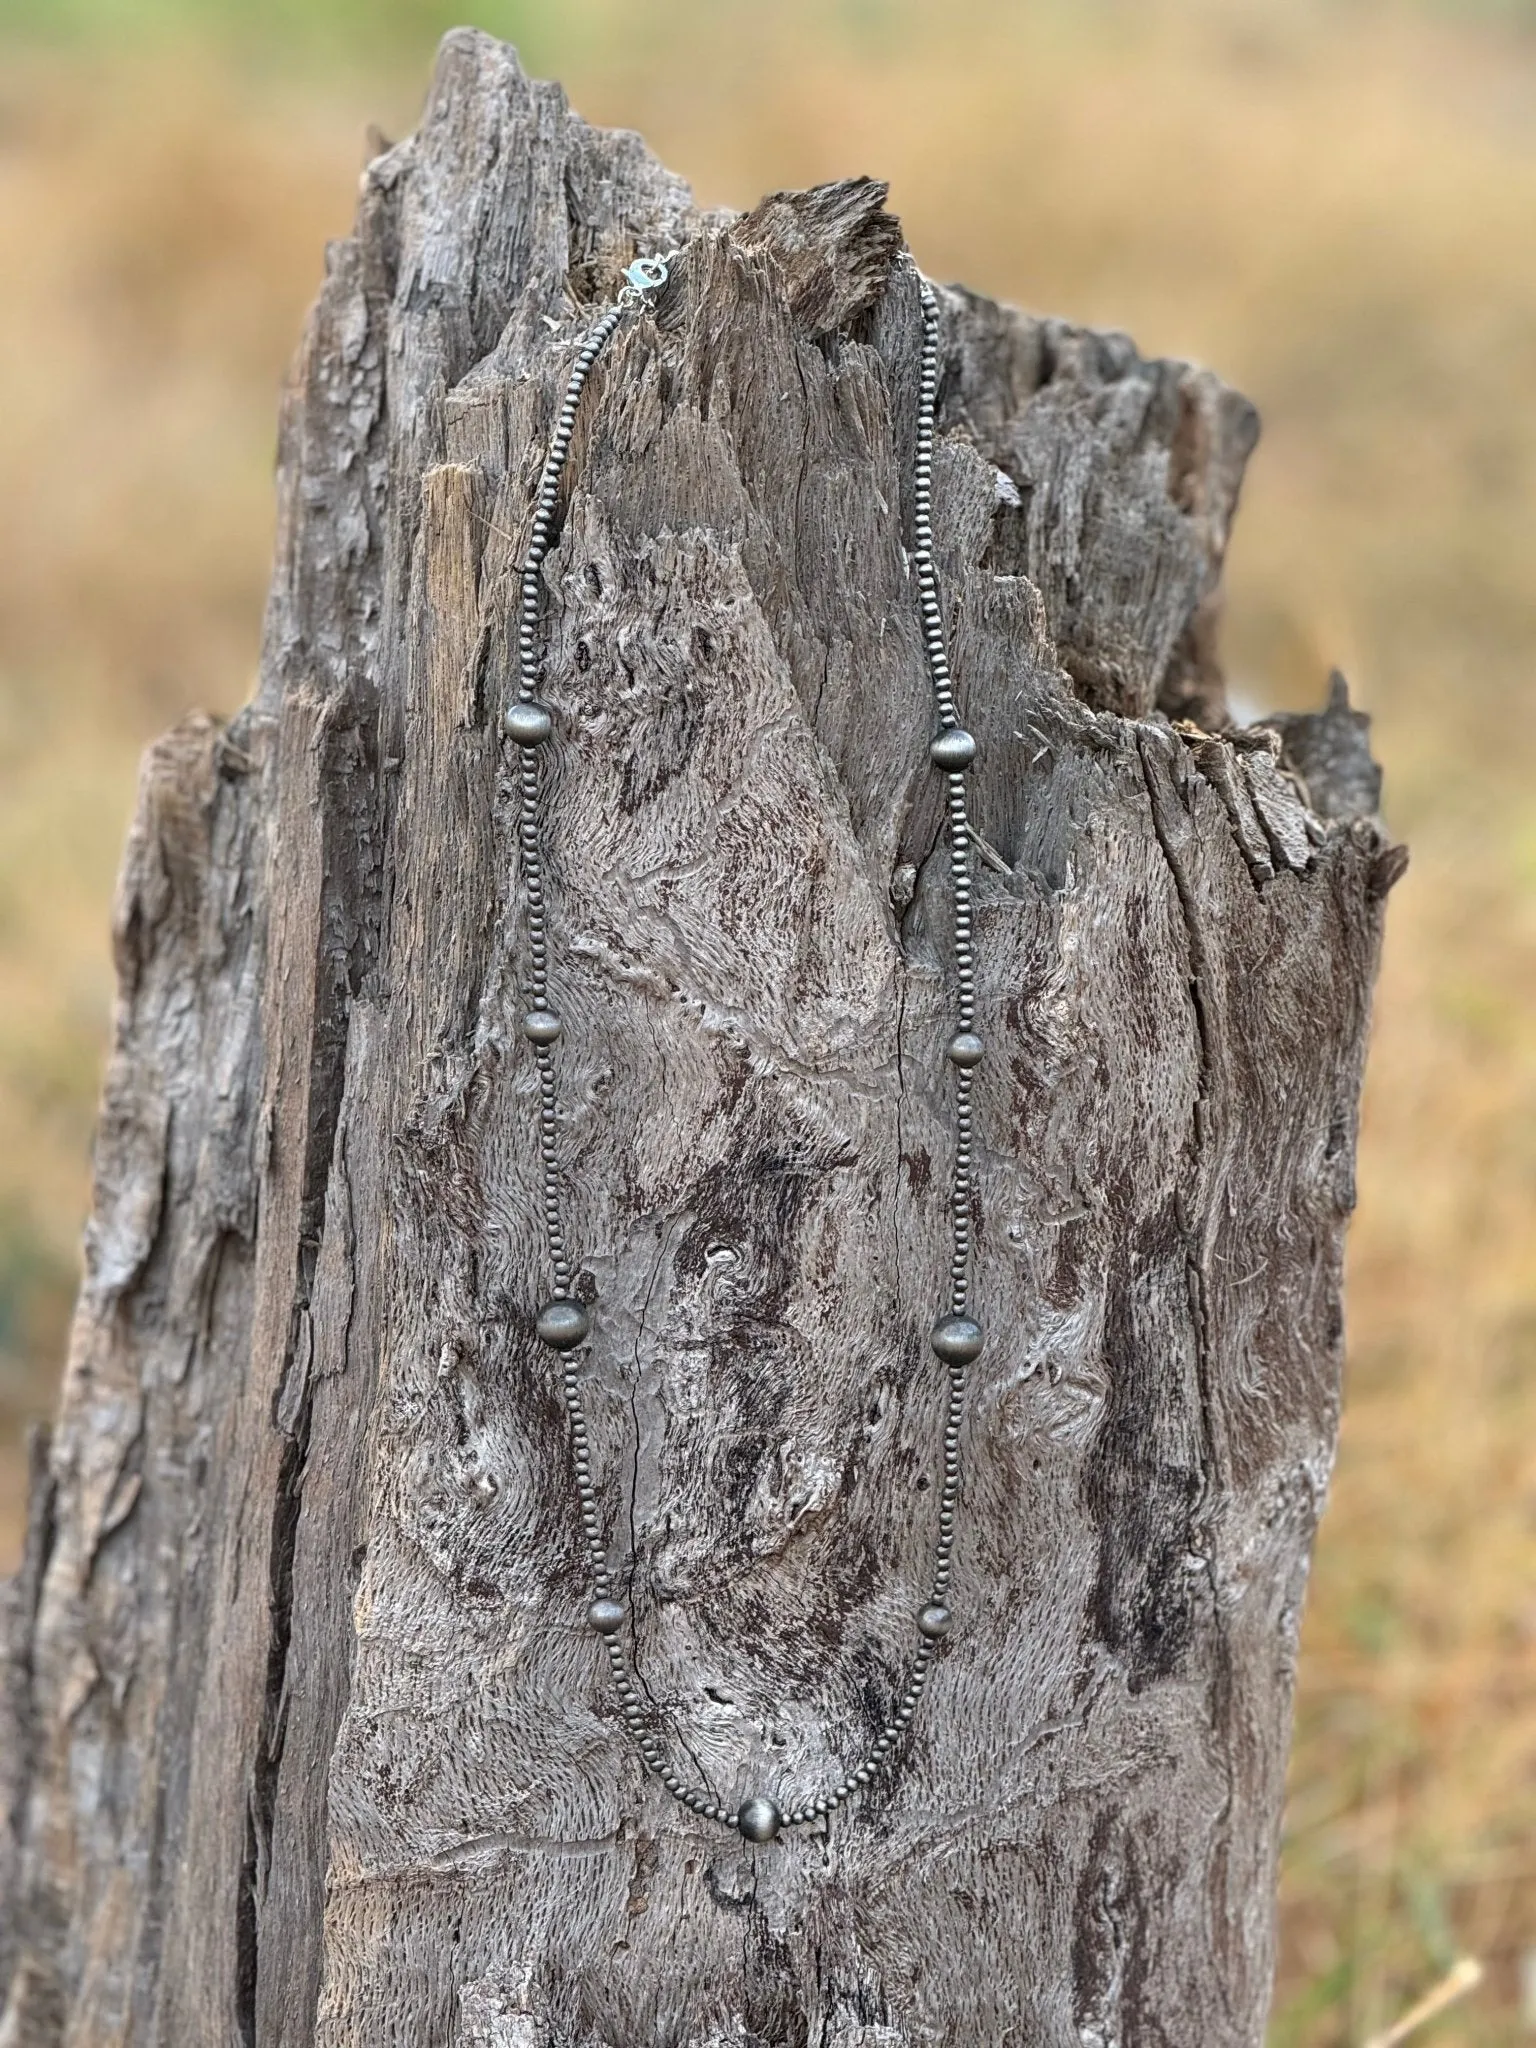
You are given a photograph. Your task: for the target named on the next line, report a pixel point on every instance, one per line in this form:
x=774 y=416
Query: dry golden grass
x=1335 y=207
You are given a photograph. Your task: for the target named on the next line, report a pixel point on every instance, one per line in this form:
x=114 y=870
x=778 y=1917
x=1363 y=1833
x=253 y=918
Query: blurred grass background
x=1331 y=201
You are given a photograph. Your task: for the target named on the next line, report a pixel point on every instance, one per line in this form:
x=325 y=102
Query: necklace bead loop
x=563 y=1322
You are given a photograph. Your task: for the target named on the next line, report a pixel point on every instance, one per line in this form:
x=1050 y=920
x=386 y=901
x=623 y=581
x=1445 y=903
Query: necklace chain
x=564 y=1323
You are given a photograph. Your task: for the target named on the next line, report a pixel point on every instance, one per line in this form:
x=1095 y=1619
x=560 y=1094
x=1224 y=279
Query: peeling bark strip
x=303 y=1740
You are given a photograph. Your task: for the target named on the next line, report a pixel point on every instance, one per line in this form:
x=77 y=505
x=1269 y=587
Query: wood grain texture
x=305 y=1741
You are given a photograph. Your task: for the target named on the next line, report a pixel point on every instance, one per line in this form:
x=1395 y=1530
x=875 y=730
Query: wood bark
x=306 y=1742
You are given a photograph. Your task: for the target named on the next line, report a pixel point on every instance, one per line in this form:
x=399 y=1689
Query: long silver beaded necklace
x=564 y=1322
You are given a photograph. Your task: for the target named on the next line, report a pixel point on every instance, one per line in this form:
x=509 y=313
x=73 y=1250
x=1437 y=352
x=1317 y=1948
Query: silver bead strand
x=563 y=1322
x=957 y=1338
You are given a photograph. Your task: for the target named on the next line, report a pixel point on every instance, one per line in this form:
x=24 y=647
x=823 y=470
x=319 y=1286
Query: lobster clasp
x=647 y=273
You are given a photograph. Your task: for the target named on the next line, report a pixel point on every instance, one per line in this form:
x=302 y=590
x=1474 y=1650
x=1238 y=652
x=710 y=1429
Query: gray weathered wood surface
x=304 y=1740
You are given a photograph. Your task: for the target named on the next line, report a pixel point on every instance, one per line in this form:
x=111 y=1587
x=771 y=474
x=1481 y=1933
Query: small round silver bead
x=759 y=1819
x=934 y=1621
x=542 y=1027
x=564 y=1323
x=956 y=1339
x=527 y=722
x=606 y=1616
x=966 y=1050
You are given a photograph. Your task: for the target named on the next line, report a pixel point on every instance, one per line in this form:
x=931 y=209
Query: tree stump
x=307 y=1741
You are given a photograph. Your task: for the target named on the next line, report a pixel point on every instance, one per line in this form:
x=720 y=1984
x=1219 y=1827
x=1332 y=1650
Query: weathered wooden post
x=307 y=1741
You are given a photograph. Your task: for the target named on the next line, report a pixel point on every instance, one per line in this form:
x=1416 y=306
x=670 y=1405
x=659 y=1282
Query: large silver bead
x=543 y=1027
x=527 y=722
x=606 y=1616
x=953 y=748
x=956 y=1339
x=759 y=1819
x=934 y=1621
x=563 y=1323
x=966 y=1049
